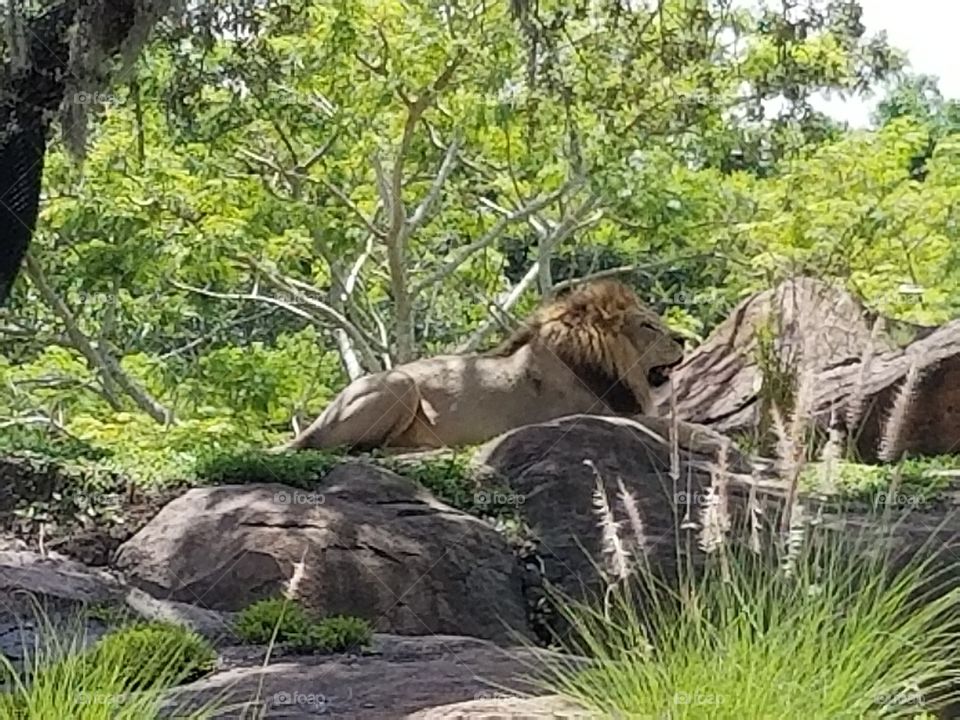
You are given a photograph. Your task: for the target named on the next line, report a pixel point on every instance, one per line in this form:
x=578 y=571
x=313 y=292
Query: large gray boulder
x=546 y=467
x=373 y=544
x=858 y=363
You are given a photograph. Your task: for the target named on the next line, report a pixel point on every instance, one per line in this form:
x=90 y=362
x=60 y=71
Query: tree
x=284 y=198
x=918 y=97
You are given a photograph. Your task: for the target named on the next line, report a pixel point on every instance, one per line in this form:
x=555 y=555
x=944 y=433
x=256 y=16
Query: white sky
x=927 y=30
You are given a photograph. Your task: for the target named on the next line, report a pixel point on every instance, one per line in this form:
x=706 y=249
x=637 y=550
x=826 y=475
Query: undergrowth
x=284 y=621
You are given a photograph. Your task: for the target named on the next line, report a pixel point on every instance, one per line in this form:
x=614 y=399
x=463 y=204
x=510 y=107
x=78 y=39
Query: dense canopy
x=274 y=197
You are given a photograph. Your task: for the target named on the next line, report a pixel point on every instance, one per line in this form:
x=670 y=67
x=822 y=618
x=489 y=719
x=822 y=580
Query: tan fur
x=589 y=351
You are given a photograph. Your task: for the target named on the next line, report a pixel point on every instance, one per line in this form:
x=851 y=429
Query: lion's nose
x=680 y=340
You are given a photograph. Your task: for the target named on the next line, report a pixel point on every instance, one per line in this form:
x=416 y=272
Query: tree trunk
x=32 y=89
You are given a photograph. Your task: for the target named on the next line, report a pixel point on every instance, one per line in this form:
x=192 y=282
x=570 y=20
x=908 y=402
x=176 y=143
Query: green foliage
x=451 y=477
x=225 y=236
x=110 y=614
x=283 y=621
x=837 y=637
x=154 y=654
x=42 y=444
x=258 y=622
x=916 y=480
x=303 y=469
x=62 y=680
x=448 y=476
x=63 y=491
x=338 y=633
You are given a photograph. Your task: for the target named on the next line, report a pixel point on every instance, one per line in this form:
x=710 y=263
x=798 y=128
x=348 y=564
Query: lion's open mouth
x=661 y=373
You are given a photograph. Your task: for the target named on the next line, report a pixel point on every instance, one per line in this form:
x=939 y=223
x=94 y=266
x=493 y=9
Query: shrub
x=339 y=633
x=919 y=478
x=257 y=623
x=284 y=621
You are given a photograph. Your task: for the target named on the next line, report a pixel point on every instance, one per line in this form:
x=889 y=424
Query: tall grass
x=63 y=678
x=840 y=637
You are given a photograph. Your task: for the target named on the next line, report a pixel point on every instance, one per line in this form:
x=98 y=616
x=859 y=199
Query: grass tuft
x=838 y=637
x=122 y=677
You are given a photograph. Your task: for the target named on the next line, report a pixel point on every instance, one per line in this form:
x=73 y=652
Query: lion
x=597 y=349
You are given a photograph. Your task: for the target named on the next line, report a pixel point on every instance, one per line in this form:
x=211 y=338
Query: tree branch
x=114 y=379
x=446 y=167
x=624 y=270
x=301 y=292
x=368 y=223
x=489 y=237
x=503 y=305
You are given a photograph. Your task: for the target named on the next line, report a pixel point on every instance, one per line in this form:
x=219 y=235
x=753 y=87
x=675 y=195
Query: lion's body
x=588 y=352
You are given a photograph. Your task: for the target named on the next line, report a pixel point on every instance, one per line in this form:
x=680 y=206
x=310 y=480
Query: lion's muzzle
x=659 y=374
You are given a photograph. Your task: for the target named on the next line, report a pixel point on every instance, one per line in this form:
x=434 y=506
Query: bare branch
x=207 y=337
x=341 y=297
x=261 y=160
x=317 y=156
x=368 y=223
x=114 y=379
x=570 y=224
x=38 y=420
x=446 y=167
x=256 y=297
x=489 y=237
x=625 y=270
x=296 y=288
x=78 y=340
x=350 y=282
x=503 y=304
x=544 y=252
x=490 y=173
x=391 y=192
x=383 y=189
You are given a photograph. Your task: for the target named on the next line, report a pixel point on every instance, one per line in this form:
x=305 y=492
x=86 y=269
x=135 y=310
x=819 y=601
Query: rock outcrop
x=440 y=677
x=46 y=602
x=856 y=363
x=553 y=468
x=370 y=543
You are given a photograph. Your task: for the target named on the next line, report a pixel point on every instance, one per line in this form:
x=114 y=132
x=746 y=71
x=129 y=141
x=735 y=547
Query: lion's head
x=615 y=344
